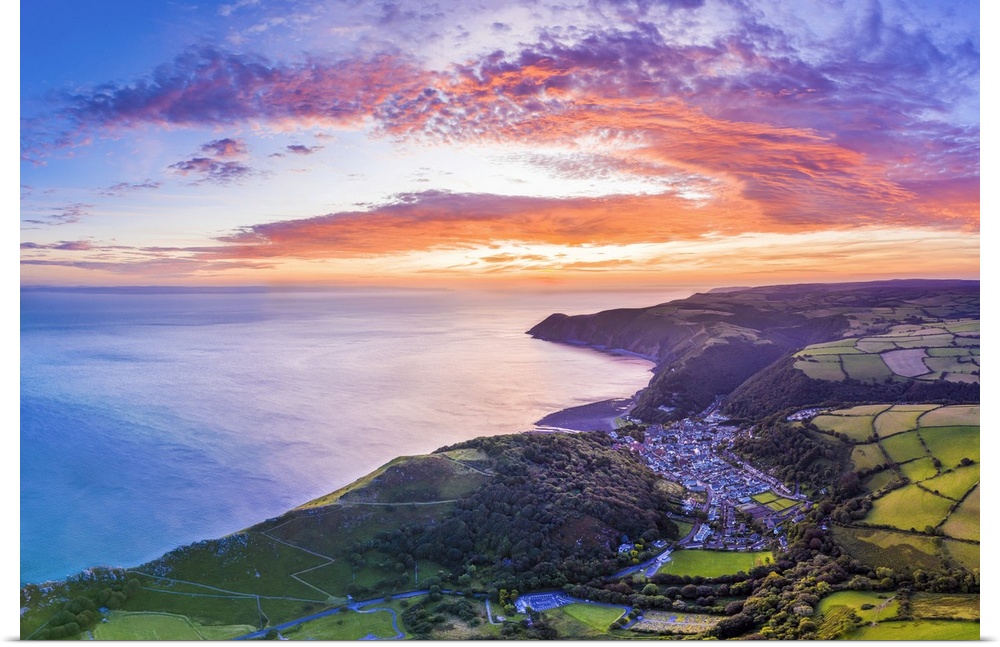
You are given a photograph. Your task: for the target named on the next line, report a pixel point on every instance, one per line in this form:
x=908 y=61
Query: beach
x=596 y=416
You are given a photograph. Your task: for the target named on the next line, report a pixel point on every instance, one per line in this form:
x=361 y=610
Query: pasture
x=822 y=370
x=909 y=507
x=883 y=605
x=963 y=523
x=903 y=447
x=951 y=444
x=125 y=625
x=895 y=421
x=857 y=427
x=956 y=483
x=865 y=457
x=713 y=563
x=956 y=606
x=951 y=416
x=345 y=625
x=919 y=470
x=898 y=550
x=918 y=630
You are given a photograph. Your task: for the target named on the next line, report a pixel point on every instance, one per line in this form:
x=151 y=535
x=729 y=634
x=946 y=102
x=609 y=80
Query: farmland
x=926 y=352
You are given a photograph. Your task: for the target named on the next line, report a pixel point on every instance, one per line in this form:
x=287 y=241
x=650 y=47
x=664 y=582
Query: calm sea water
x=150 y=421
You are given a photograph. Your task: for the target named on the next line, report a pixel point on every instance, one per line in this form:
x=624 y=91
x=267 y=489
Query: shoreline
x=595 y=416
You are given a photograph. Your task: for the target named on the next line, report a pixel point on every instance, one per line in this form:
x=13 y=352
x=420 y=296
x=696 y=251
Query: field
x=961 y=414
x=713 y=563
x=883 y=605
x=956 y=483
x=909 y=507
x=903 y=447
x=124 y=625
x=345 y=625
x=925 y=352
x=919 y=470
x=918 y=630
x=964 y=522
x=951 y=444
x=866 y=457
x=858 y=427
x=897 y=550
x=593 y=615
x=898 y=419
x=965 y=554
x=955 y=606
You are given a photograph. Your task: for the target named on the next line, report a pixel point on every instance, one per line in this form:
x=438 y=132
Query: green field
x=909 y=507
x=955 y=415
x=765 y=497
x=918 y=630
x=857 y=427
x=963 y=523
x=879 y=480
x=951 y=444
x=884 y=605
x=895 y=421
x=867 y=367
x=903 y=447
x=869 y=410
x=822 y=370
x=919 y=470
x=866 y=456
x=124 y=625
x=595 y=616
x=713 y=563
x=965 y=554
x=345 y=625
x=955 y=483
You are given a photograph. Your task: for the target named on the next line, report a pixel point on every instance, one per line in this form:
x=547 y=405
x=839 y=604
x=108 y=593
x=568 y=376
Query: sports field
x=125 y=625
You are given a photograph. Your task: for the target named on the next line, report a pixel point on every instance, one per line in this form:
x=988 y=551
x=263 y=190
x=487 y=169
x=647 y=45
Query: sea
x=151 y=419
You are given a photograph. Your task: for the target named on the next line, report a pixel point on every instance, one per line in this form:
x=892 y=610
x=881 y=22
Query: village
x=735 y=506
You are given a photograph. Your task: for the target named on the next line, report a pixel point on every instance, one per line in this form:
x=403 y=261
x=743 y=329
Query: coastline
x=596 y=416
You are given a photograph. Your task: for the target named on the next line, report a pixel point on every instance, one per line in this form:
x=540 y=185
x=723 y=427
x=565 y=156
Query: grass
x=781 y=503
x=965 y=554
x=867 y=367
x=866 y=456
x=863 y=410
x=909 y=507
x=125 y=625
x=879 y=480
x=857 y=427
x=903 y=447
x=345 y=625
x=919 y=470
x=955 y=415
x=713 y=563
x=884 y=605
x=594 y=616
x=765 y=497
x=895 y=421
x=897 y=550
x=951 y=444
x=963 y=523
x=955 y=606
x=918 y=630
x=568 y=627
x=829 y=371
x=201 y=609
x=955 y=483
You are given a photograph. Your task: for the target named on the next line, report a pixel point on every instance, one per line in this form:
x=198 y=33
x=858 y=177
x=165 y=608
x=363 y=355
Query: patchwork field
x=898 y=550
x=903 y=447
x=713 y=563
x=925 y=352
x=964 y=522
x=951 y=444
x=345 y=625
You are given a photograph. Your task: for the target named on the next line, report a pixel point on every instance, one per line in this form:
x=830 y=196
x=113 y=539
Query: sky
x=576 y=143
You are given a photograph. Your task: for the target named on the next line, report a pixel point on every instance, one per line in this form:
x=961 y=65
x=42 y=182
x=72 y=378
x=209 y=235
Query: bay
x=151 y=419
